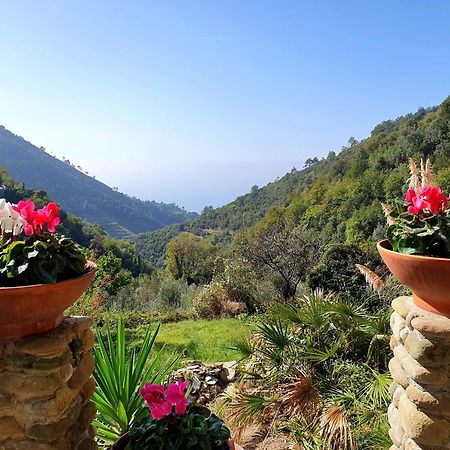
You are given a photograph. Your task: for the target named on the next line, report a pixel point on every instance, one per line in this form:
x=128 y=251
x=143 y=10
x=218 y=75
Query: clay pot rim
x=382 y=246
x=90 y=265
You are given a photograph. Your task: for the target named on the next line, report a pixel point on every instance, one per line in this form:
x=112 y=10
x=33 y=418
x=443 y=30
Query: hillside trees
x=282 y=249
x=191 y=258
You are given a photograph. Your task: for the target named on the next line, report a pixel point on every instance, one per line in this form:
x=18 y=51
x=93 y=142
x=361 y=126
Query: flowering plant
x=175 y=424
x=31 y=252
x=420 y=225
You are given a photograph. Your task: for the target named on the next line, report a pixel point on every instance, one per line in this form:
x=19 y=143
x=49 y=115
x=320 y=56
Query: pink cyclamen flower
x=155 y=396
x=418 y=205
x=410 y=195
x=430 y=199
x=176 y=395
x=437 y=201
x=26 y=210
x=51 y=212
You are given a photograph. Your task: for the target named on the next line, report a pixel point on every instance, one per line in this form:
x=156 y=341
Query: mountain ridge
x=78 y=193
x=339 y=195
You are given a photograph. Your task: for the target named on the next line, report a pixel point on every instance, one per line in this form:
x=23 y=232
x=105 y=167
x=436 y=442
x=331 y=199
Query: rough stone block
x=421 y=349
x=393 y=342
x=88 y=339
x=82 y=372
x=50 y=432
x=422 y=428
x=398 y=374
x=435 y=326
x=397 y=394
x=28 y=386
x=9 y=428
x=19 y=362
x=398 y=323
x=399 y=305
x=396 y=431
x=49 y=410
x=42 y=346
x=45 y=389
x=88 y=389
x=417 y=372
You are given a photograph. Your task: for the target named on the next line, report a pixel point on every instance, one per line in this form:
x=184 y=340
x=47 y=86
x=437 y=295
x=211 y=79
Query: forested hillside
x=81 y=194
x=92 y=237
x=339 y=195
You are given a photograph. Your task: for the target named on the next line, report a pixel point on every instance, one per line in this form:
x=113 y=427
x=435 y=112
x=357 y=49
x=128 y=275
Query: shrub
x=214 y=302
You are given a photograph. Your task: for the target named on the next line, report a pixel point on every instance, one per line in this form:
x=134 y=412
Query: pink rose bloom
x=176 y=395
x=155 y=397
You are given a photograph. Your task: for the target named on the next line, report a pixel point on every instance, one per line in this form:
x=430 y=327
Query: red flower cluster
x=161 y=401
x=35 y=220
x=430 y=198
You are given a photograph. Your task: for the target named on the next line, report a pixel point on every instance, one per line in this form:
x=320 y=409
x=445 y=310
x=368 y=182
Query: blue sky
x=193 y=102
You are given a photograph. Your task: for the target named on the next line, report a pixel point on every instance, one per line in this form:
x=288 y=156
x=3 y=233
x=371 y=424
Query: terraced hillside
x=82 y=195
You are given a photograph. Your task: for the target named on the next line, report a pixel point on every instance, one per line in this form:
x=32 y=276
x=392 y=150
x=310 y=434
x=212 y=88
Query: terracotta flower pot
x=427 y=277
x=27 y=310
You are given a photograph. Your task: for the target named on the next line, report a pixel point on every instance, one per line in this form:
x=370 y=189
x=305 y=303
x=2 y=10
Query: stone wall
x=46 y=389
x=419 y=415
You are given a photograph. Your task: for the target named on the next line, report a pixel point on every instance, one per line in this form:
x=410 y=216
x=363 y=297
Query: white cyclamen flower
x=17 y=222
x=10 y=220
x=4 y=214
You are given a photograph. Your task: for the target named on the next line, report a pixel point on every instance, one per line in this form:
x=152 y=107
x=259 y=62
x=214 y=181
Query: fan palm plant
x=309 y=363
x=119 y=375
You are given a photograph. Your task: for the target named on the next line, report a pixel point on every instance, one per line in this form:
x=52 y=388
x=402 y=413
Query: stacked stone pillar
x=419 y=415
x=46 y=389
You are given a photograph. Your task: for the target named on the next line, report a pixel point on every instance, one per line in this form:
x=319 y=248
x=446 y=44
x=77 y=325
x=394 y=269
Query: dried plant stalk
x=375 y=282
x=414 y=179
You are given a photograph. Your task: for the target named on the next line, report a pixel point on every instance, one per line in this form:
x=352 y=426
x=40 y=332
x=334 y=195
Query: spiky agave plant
x=119 y=375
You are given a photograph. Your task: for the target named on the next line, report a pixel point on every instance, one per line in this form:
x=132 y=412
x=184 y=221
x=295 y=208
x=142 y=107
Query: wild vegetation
x=294 y=256
x=338 y=195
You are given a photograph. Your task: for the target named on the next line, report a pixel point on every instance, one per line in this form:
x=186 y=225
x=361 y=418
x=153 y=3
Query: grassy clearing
x=204 y=340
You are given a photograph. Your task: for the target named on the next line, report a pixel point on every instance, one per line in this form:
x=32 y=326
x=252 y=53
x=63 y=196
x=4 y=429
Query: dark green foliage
x=46 y=258
x=191 y=258
x=337 y=272
x=198 y=429
x=428 y=236
x=81 y=194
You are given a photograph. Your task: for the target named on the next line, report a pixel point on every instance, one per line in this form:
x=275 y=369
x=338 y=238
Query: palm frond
x=336 y=429
x=299 y=394
x=276 y=333
x=245 y=347
x=247 y=408
x=377 y=390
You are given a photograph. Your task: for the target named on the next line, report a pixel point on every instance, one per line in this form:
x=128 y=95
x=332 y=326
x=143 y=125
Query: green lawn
x=204 y=340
